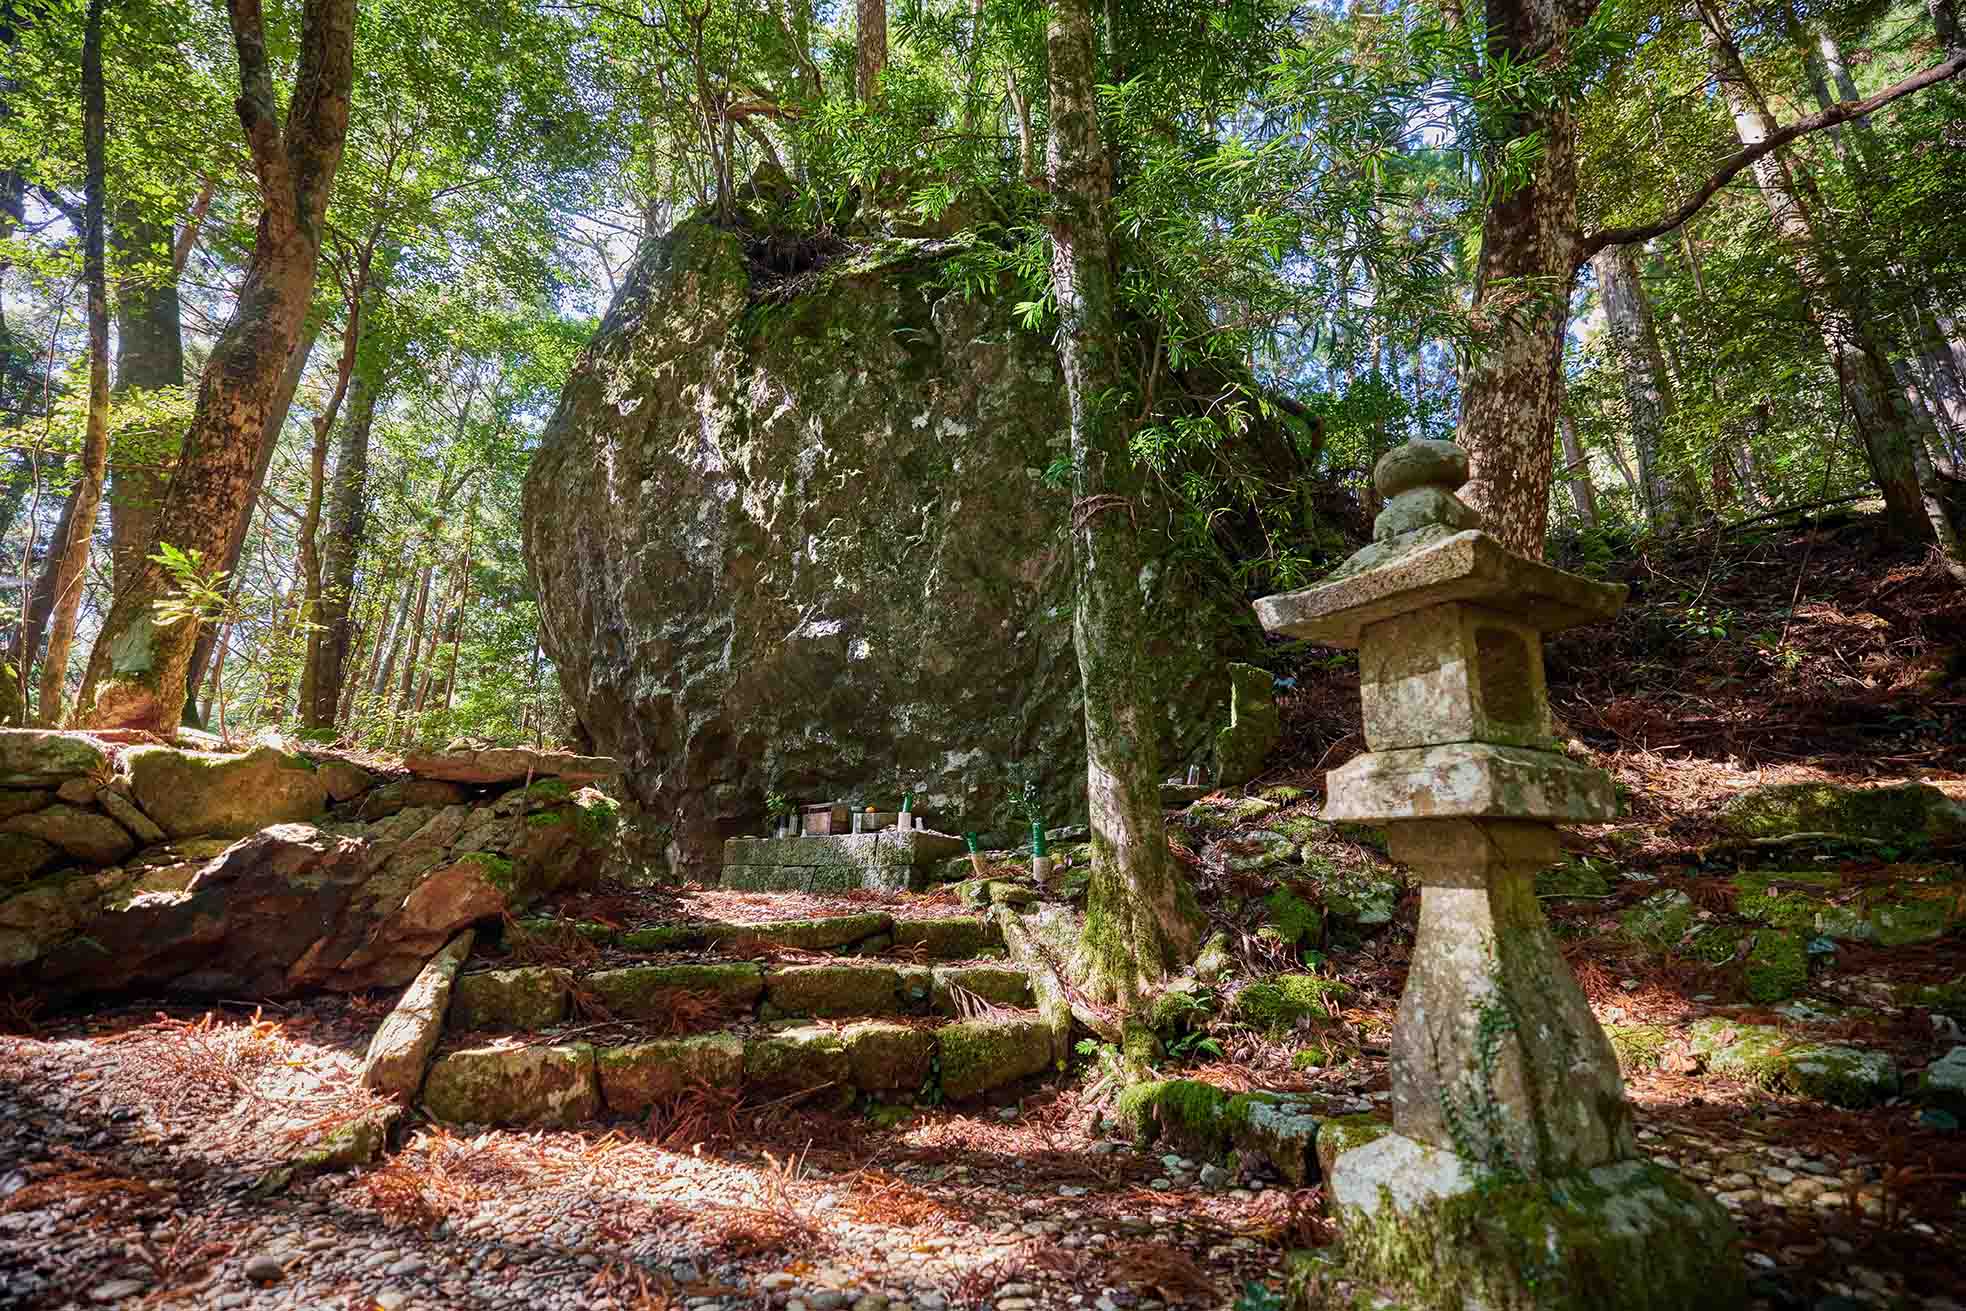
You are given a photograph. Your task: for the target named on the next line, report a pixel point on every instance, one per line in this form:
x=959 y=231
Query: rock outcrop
x=800 y=539
x=309 y=898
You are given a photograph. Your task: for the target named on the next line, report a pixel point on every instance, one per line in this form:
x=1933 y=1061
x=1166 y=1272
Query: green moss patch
x=977 y=1055
x=530 y=998
x=641 y=992
x=1770 y=1058
x=1282 y=1000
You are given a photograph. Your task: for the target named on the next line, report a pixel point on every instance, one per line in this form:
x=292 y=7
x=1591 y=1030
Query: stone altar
x=1511 y=1179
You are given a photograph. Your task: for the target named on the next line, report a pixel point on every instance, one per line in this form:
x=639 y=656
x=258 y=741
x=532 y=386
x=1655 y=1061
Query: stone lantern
x=1510 y=1178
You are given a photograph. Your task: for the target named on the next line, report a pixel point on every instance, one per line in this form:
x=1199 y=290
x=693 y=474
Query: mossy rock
x=1910 y=813
x=1630 y=1236
x=808 y=1059
x=552 y=931
x=663 y=937
x=1205 y=1120
x=530 y=998
x=978 y=1055
x=189 y=793
x=1281 y=1000
x=956 y=937
x=1660 y=921
x=1777 y=966
x=995 y=892
x=1251 y=850
x=514 y=1086
x=823 y=934
x=642 y=992
x=1360 y=898
x=1912 y=910
x=22 y=857
x=1943 y=1083
x=834 y=990
x=1000 y=985
x=883 y=1055
x=1342 y=1133
x=1220 y=814
x=1292 y=920
x=1254 y=726
x=1770 y=1058
x=1639 y=1046
x=1947 y=998
x=1573 y=878
x=636 y=1077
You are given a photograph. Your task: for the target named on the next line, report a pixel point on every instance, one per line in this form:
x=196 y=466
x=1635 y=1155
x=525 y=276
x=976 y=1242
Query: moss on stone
x=1186 y=1111
x=834 y=990
x=799 y=1060
x=1291 y=920
x=1573 y=878
x=636 y=1077
x=1639 y=1046
x=1908 y=813
x=499 y=871
x=514 y=1085
x=1660 y=920
x=648 y=991
x=662 y=937
x=529 y=998
x=1628 y=1237
x=1283 y=999
x=1342 y=1133
x=957 y=937
x=884 y=1056
x=1777 y=966
x=1769 y=1058
x=977 y=1055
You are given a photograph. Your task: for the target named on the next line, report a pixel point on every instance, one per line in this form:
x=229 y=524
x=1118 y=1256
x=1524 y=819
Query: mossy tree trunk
x=1140 y=916
x=73 y=549
x=138 y=670
x=149 y=355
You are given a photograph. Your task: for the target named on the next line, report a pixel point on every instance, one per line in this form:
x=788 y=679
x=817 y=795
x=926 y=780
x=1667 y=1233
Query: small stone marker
x=1510 y=1180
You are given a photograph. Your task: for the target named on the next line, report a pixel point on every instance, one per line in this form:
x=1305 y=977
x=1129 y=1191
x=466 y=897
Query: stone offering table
x=1511 y=1178
x=882 y=862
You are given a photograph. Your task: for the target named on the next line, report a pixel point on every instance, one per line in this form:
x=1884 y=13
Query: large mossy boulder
x=1910 y=813
x=39 y=758
x=797 y=538
x=190 y=793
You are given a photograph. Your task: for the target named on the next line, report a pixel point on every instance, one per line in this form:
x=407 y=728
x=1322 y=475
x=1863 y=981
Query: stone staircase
x=562 y=1021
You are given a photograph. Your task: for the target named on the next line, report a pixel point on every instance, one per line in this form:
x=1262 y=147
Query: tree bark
x=347 y=521
x=1877 y=407
x=414 y=650
x=1648 y=393
x=73 y=550
x=870 y=18
x=138 y=669
x=1529 y=255
x=1140 y=916
x=149 y=355
x=1577 y=471
x=276 y=421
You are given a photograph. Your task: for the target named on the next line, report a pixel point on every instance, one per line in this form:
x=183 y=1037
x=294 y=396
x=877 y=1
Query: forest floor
x=131 y=1138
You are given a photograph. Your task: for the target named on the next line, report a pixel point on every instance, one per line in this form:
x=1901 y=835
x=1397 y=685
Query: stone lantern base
x=1629 y=1236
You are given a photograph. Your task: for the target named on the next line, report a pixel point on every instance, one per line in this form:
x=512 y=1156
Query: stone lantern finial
x=1510 y=1176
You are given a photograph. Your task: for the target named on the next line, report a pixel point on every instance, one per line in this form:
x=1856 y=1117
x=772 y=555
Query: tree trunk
x=317 y=479
x=137 y=672
x=870 y=18
x=457 y=629
x=276 y=421
x=1530 y=250
x=1140 y=916
x=384 y=679
x=1648 y=393
x=74 y=549
x=1577 y=471
x=413 y=651
x=347 y=520
x=149 y=355
x=1877 y=407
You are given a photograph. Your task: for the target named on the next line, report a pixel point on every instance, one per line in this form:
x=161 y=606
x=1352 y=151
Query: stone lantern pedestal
x=1510 y=1178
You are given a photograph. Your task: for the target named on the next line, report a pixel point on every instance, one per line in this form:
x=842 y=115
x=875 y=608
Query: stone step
x=573 y=1082
x=954 y=937
x=537 y=996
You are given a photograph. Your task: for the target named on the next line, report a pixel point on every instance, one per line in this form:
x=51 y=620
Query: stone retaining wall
x=267 y=871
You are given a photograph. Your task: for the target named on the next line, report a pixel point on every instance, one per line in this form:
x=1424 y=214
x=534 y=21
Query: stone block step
x=574 y=1082
x=954 y=937
x=540 y=996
